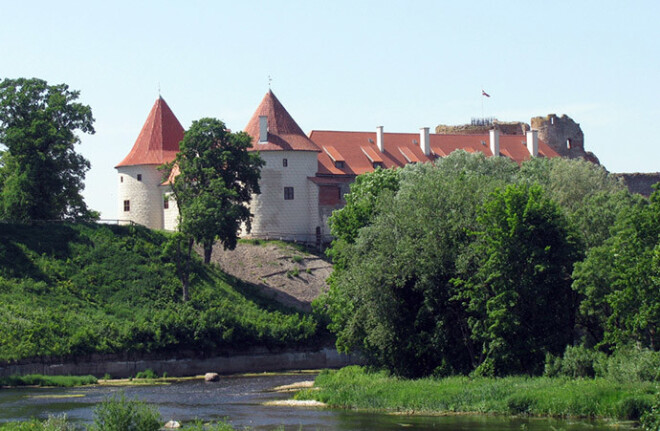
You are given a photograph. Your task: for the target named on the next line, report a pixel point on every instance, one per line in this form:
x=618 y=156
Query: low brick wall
x=252 y=361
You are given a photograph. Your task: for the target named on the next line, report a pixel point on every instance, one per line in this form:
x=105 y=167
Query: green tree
x=392 y=301
x=518 y=289
x=41 y=176
x=620 y=280
x=217 y=176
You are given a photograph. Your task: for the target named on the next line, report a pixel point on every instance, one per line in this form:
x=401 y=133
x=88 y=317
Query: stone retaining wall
x=239 y=363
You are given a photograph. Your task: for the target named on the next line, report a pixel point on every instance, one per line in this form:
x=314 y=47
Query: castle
x=306 y=176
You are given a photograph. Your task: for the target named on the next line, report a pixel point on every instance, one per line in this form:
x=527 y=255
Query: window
x=166 y=202
x=339 y=164
x=121 y=179
x=139 y=177
x=288 y=193
x=285 y=163
x=127 y=206
x=378 y=165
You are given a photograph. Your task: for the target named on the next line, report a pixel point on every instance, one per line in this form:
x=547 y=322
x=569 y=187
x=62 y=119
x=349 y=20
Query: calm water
x=239 y=400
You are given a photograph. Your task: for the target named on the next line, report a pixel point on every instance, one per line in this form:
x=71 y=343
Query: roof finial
x=159 y=89
x=269 y=81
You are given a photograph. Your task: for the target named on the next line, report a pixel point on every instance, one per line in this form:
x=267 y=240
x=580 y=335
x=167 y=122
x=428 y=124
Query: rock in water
x=172 y=425
x=211 y=377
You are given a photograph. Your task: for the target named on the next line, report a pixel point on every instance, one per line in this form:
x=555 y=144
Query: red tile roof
x=159 y=139
x=283 y=132
x=359 y=149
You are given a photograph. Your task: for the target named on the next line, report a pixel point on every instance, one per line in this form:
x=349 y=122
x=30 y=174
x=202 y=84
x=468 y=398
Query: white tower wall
x=145 y=196
x=275 y=216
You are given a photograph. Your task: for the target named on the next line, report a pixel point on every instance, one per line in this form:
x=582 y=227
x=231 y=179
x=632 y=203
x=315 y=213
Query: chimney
x=425 y=141
x=495 y=142
x=263 y=128
x=379 y=139
x=533 y=143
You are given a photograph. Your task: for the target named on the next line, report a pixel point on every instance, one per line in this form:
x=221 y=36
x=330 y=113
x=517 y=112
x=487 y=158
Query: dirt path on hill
x=281 y=271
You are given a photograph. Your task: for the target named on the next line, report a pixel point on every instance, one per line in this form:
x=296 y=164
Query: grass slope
x=76 y=289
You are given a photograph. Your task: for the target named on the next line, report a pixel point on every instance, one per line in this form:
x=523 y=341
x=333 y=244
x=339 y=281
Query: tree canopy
x=41 y=175
x=476 y=264
x=216 y=179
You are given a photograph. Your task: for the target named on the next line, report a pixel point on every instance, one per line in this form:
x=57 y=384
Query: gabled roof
x=159 y=139
x=360 y=152
x=284 y=134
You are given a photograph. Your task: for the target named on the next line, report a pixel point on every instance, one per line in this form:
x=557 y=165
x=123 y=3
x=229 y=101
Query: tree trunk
x=208 y=250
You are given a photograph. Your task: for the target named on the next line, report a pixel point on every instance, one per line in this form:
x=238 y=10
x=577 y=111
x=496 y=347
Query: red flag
x=483 y=93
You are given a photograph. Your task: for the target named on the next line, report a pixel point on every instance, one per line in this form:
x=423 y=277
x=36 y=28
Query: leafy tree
x=518 y=288
x=590 y=197
x=620 y=281
x=217 y=177
x=41 y=176
x=393 y=299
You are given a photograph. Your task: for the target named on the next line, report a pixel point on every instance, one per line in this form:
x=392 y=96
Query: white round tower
x=141 y=196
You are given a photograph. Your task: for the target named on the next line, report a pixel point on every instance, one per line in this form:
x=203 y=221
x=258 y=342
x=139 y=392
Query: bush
x=119 y=414
x=146 y=374
x=630 y=365
x=651 y=419
x=633 y=408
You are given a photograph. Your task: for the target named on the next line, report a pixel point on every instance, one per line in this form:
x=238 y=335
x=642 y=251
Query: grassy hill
x=77 y=289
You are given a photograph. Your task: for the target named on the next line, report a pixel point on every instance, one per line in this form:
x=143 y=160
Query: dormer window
x=339 y=164
x=378 y=165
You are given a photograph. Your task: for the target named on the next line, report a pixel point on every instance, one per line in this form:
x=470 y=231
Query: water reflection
x=240 y=399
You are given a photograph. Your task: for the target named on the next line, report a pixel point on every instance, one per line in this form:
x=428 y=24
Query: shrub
x=651 y=419
x=633 y=408
x=146 y=374
x=119 y=414
x=297 y=258
x=630 y=365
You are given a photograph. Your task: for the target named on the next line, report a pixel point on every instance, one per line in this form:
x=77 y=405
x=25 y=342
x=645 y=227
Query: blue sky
x=346 y=65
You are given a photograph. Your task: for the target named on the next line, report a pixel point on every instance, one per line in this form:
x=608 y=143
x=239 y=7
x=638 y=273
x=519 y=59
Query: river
x=239 y=400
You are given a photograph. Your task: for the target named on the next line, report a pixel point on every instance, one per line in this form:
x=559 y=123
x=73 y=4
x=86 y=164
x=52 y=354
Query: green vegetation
x=355 y=387
x=41 y=380
x=216 y=180
x=478 y=265
x=120 y=414
x=75 y=289
x=41 y=176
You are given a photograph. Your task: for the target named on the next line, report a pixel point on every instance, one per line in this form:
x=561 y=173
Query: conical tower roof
x=159 y=139
x=284 y=134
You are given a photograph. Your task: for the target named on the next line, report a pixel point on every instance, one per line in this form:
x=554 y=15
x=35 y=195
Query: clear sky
x=346 y=65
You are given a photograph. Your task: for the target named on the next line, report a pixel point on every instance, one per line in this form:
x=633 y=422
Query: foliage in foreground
x=357 y=388
x=77 y=289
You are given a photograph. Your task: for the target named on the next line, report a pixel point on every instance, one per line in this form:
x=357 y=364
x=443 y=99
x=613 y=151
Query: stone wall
x=255 y=361
x=563 y=135
x=640 y=182
x=508 y=128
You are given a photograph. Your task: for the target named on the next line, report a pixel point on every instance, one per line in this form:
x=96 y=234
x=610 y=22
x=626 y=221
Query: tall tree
x=518 y=289
x=217 y=177
x=41 y=176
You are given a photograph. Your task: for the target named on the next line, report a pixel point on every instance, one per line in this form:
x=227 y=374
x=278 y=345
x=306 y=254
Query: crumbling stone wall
x=640 y=182
x=563 y=135
x=511 y=128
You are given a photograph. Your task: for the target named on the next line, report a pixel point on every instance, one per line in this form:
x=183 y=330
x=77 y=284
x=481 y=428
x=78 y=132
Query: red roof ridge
x=158 y=141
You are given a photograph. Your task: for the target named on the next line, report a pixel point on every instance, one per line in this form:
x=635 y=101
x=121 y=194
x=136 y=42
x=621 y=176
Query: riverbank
x=355 y=388
x=256 y=360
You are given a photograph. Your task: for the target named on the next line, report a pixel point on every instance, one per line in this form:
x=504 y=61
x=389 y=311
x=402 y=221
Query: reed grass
x=41 y=380
x=355 y=388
